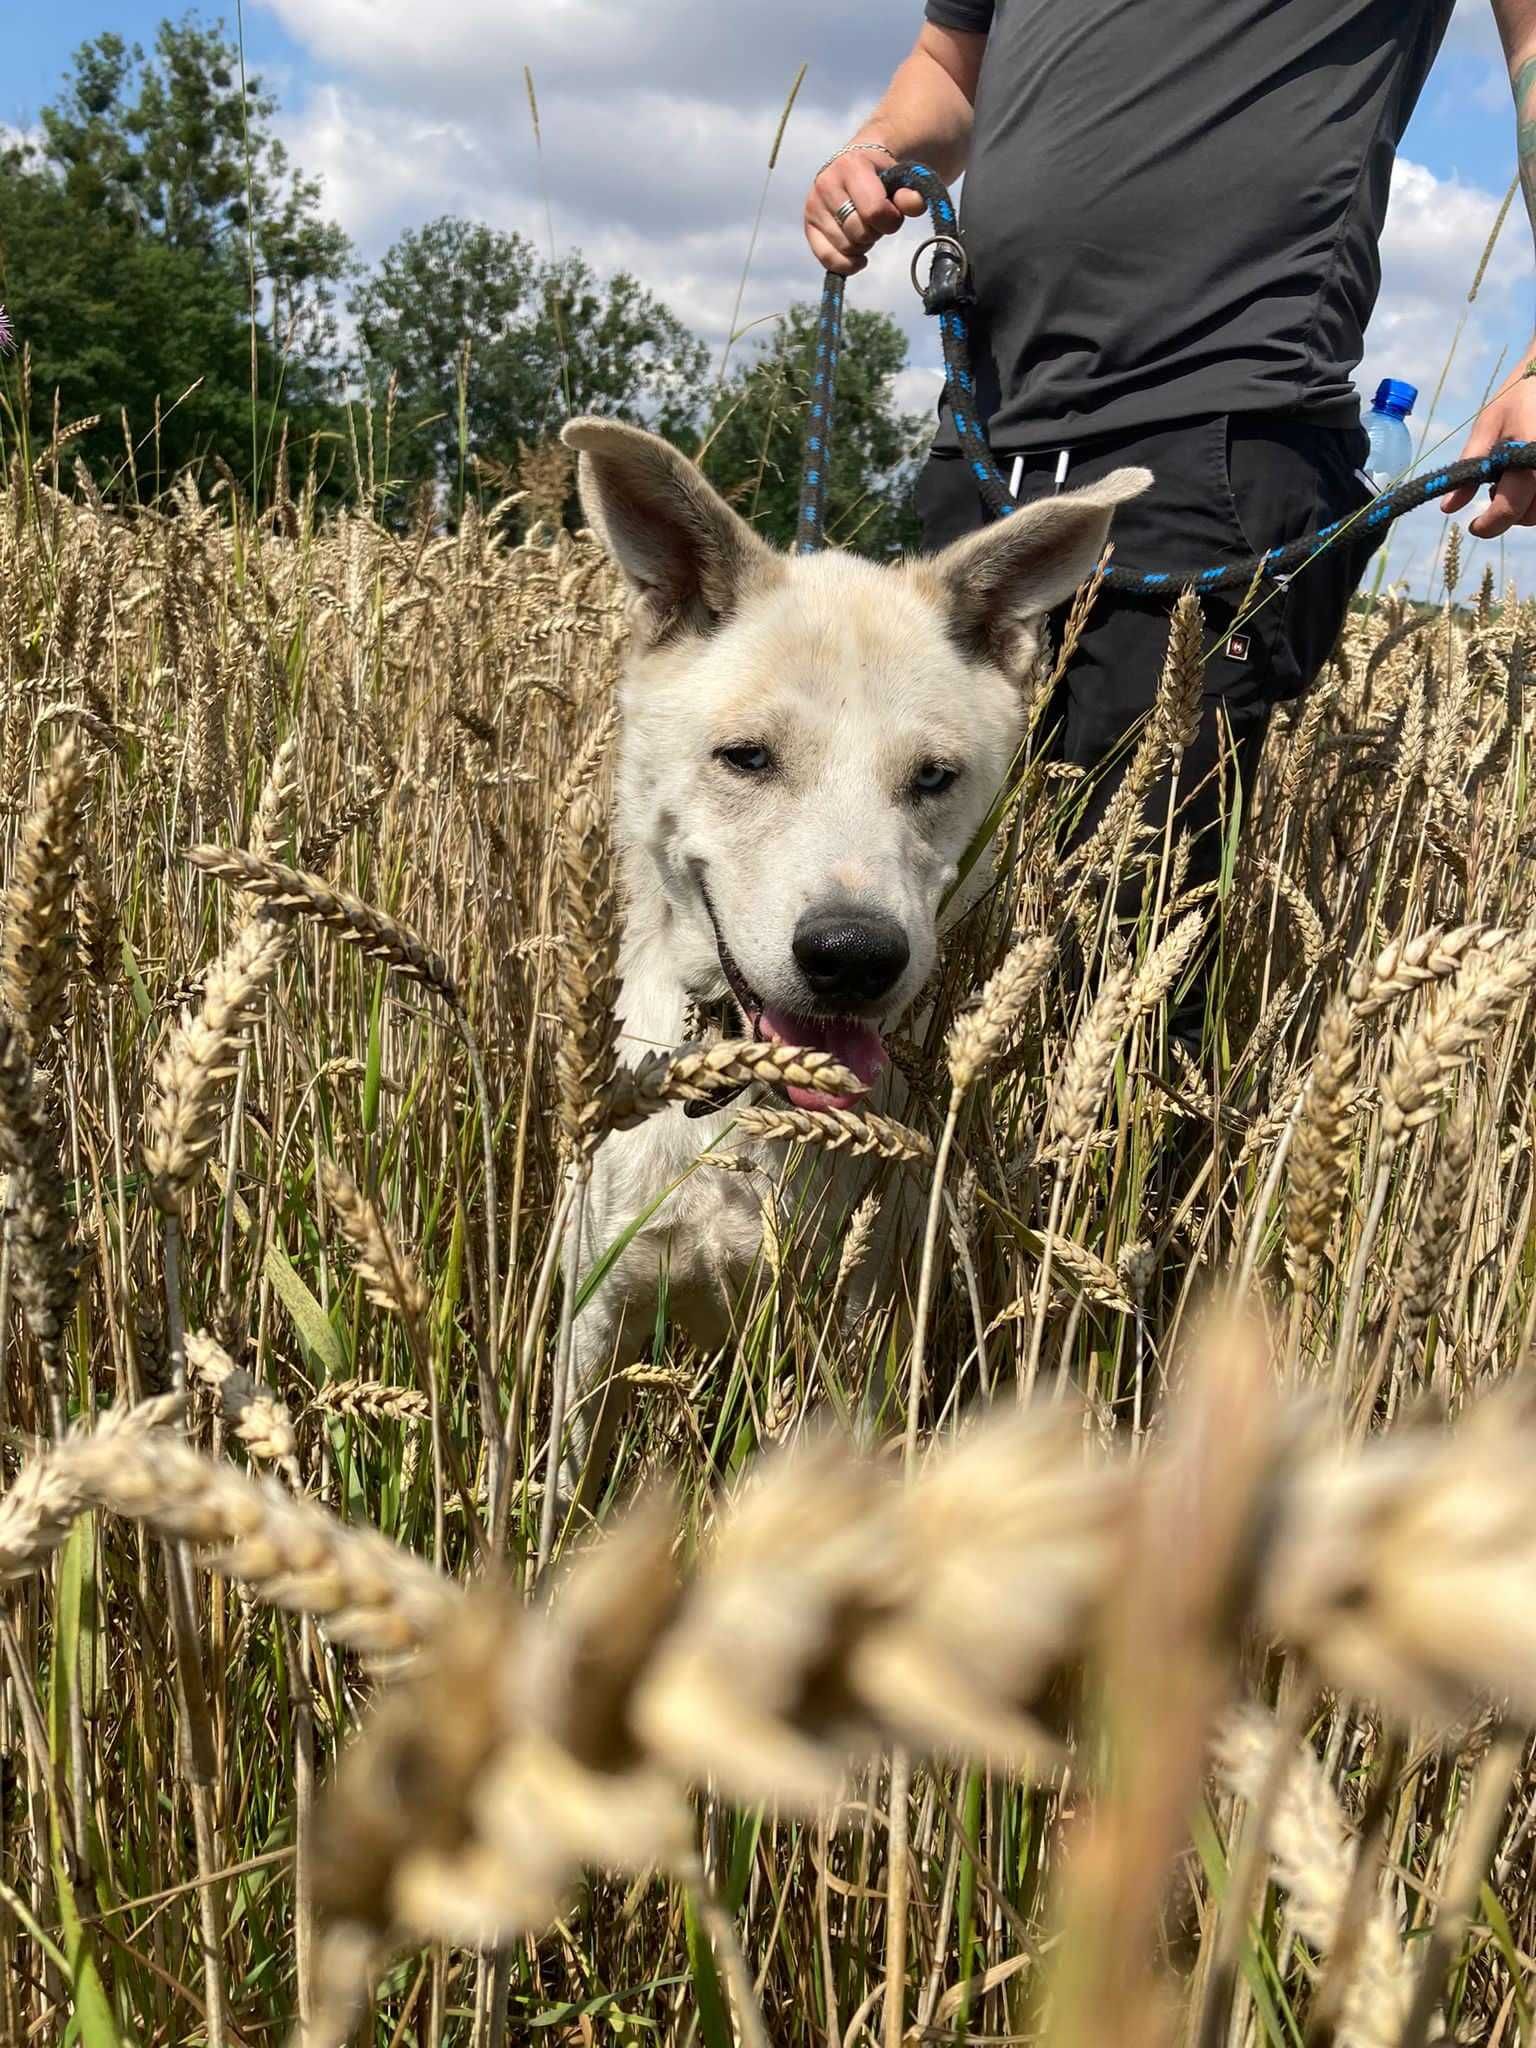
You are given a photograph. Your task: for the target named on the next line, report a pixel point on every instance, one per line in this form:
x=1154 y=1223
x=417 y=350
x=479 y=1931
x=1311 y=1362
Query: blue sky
x=408 y=110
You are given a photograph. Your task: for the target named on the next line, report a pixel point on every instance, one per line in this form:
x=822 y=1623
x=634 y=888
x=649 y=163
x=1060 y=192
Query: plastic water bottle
x=1391 y=443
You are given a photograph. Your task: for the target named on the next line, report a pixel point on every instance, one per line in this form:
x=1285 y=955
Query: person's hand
x=853 y=177
x=1510 y=415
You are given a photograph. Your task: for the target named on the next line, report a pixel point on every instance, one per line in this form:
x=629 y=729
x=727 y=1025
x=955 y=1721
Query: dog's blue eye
x=746 y=760
x=933 y=778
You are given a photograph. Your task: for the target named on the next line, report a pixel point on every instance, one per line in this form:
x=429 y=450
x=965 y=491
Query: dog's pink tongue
x=852 y=1044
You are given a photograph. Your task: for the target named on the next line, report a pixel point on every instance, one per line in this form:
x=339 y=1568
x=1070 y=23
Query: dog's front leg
x=610 y=1331
x=608 y=1335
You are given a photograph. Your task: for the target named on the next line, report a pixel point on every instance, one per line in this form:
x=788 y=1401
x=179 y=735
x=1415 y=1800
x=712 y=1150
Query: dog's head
x=812 y=742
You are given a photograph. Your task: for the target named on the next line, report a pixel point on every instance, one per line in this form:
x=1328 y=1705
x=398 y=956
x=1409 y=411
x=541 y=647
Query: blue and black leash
x=949 y=295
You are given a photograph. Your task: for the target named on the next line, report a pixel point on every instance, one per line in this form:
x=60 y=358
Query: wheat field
x=1128 y=1638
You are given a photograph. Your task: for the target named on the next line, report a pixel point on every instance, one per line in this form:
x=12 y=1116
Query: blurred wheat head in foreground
x=1184 y=1698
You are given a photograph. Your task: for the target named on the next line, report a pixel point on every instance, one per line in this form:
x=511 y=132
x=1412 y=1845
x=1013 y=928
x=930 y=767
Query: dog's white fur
x=852 y=674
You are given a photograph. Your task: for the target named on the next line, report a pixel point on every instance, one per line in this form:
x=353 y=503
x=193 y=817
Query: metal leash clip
x=949 y=276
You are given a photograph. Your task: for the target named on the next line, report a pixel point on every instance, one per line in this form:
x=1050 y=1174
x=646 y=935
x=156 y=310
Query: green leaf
x=748 y=1827
x=972 y=1787
x=93 y=2018
x=1504 y=1942
x=308 y=1317
x=1258 y=1965
x=141 y=1001
x=314 y=1326
x=709 y=1999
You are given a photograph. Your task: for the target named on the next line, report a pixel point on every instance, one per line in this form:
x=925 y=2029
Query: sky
x=656 y=120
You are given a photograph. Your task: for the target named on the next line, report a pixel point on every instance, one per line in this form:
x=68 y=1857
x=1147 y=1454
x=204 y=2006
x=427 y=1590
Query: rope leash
x=948 y=296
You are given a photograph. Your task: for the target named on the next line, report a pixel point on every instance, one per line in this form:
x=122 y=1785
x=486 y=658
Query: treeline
x=168 y=268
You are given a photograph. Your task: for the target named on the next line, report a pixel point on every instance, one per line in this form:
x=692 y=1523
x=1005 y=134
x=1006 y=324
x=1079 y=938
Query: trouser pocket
x=1287 y=479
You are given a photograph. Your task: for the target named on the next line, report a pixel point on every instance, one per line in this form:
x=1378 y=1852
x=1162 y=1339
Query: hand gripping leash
x=949 y=295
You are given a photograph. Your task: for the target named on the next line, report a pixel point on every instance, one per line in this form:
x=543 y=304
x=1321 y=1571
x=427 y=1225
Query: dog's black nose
x=850 y=956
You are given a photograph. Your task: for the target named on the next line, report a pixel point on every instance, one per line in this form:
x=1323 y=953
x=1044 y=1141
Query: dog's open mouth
x=852 y=1041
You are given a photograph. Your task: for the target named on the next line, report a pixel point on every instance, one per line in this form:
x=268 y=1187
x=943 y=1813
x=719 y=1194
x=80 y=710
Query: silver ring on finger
x=844 y=210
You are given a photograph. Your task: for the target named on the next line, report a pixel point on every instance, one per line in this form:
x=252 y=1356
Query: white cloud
x=13 y=137
x=1474 y=33
x=1425 y=330
x=472 y=52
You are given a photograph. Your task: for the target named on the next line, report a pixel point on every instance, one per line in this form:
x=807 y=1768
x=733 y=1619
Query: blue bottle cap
x=1395 y=397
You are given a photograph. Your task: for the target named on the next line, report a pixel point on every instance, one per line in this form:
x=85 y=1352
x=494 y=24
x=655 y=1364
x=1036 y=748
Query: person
x=1172 y=215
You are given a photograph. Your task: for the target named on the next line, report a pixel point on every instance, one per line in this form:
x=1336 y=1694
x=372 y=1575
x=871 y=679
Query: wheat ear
x=976 y=1038
x=1073 y=1110
x=356 y=923
x=369 y=1593
x=1309 y=1846
x=1095 y=1277
x=838 y=1130
x=1171 y=725
x=587 y=991
x=39 y=933
x=1319 y=1156
x=373 y=1398
x=389 y=1278
x=1159 y=973
x=1404 y=965
x=256 y=1413
x=190 y=1078
x=1430 y=1248
x=1453 y=1025
x=661 y=1079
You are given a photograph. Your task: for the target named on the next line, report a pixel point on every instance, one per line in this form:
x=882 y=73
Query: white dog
x=809 y=745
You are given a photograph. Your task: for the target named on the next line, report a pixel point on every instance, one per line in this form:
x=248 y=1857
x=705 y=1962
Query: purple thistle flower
x=7 y=333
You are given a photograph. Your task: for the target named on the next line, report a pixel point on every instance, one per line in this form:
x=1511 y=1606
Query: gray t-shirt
x=1173 y=206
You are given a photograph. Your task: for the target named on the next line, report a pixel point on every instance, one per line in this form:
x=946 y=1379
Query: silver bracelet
x=852 y=149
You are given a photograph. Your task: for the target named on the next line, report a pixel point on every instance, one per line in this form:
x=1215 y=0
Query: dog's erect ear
x=687 y=556
x=995 y=584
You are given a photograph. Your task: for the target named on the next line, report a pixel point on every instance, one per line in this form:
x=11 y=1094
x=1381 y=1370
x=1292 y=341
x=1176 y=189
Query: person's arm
x=926 y=113
x=1510 y=415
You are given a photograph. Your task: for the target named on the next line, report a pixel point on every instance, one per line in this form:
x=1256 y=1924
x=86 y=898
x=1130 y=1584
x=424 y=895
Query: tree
x=753 y=451
x=491 y=346
x=122 y=322
x=131 y=239
x=175 y=145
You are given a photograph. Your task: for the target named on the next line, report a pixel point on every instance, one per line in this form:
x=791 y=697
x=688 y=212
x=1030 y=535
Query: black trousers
x=1225 y=489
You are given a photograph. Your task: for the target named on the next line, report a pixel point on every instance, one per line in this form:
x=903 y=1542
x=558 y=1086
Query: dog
x=809 y=744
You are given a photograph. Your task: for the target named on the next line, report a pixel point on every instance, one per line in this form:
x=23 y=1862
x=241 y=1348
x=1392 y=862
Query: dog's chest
x=696 y=1246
